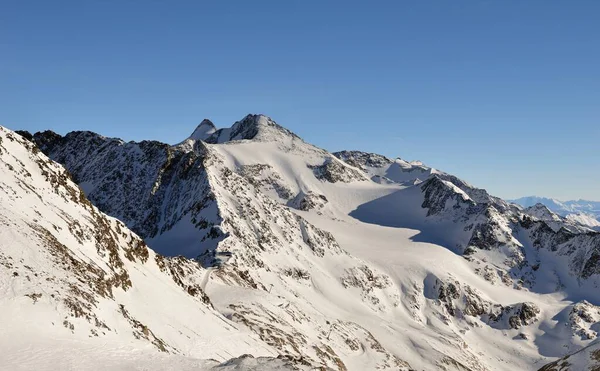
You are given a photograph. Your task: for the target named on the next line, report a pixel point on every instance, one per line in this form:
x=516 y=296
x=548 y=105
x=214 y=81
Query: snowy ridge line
x=584 y=212
x=72 y=274
x=350 y=261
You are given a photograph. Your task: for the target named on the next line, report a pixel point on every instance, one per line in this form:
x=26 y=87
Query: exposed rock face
x=458 y=300
x=492 y=225
x=67 y=268
x=514 y=316
x=387 y=171
x=308 y=201
x=264 y=177
x=438 y=193
x=255 y=127
x=584 y=319
x=362 y=160
x=149 y=185
x=332 y=170
x=541 y=212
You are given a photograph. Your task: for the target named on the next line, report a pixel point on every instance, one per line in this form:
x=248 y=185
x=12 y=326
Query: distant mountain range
x=581 y=211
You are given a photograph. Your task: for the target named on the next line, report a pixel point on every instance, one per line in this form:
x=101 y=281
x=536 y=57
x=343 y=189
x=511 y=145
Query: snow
x=416 y=270
x=382 y=169
x=584 y=212
x=586 y=359
x=584 y=219
x=36 y=289
x=68 y=354
x=203 y=131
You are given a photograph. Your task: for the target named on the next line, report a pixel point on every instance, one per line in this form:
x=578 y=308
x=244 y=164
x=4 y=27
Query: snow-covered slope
x=584 y=212
x=204 y=130
x=584 y=219
x=350 y=261
x=255 y=127
x=75 y=281
x=586 y=359
x=262 y=245
x=384 y=170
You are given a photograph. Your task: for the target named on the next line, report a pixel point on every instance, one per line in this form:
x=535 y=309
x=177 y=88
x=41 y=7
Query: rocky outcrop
x=459 y=300
x=362 y=160
x=482 y=223
x=332 y=170
x=308 y=201
x=252 y=127
x=264 y=177
x=513 y=316
x=584 y=318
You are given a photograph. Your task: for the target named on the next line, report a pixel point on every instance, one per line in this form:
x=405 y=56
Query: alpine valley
x=248 y=248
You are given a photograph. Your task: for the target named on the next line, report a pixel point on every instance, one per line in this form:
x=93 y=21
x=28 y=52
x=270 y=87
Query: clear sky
x=504 y=94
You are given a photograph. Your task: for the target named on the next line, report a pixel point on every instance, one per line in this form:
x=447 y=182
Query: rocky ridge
x=253 y=204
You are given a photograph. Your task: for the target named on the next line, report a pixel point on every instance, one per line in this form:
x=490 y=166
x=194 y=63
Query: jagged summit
x=254 y=126
x=204 y=130
x=582 y=212
x=542 y=212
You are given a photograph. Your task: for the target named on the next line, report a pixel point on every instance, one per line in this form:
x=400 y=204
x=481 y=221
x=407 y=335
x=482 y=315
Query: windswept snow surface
x=350 y=261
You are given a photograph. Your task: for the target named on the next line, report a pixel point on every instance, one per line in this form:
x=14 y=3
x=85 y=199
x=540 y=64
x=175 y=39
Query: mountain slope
x=584 y=212
x=384 y=170
x=586 y=359
x=73 y=277
x=352 y=261
x=261 y=240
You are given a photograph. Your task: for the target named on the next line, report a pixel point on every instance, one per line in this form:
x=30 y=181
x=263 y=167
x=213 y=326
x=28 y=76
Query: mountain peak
x=542 y=212
x=256 y=127
x=204 y=130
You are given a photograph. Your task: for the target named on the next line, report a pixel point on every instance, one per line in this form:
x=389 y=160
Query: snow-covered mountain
x=581 y=211
x=79 y=288
x=384 y=170
x=350 y=261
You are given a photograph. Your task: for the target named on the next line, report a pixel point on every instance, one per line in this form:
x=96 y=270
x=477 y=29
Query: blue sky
x=505 y=94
